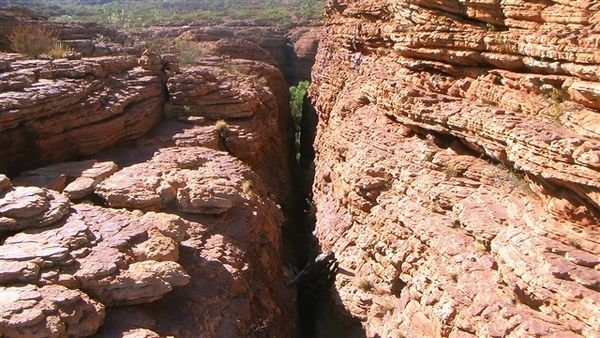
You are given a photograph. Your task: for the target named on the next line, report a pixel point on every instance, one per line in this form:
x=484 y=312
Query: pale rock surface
x=75 y=180
x=48 y=311
x=458 y=167
x=31 y=207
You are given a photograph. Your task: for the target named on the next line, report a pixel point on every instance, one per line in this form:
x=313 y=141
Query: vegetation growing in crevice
x=297 y=95
x=556 y=97
x=189 y=51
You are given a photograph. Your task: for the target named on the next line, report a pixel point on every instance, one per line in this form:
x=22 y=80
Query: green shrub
x=135 y=13
x=556 y=97
x=297 y=95
x=60 y=50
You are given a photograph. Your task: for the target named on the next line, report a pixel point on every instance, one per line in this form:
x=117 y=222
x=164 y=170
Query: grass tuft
x=33 y=41
x=221 y=125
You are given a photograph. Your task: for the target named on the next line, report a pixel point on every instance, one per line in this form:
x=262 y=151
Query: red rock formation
x=89 y=39
x=252 y=98
x=266 y=37
x=458 y=165
x=304 y=41
x=56 y=110
x=293 y=51
x=181 y=225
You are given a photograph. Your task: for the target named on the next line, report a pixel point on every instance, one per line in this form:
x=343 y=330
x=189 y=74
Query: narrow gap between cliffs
x=298 y=230
x=315 y=271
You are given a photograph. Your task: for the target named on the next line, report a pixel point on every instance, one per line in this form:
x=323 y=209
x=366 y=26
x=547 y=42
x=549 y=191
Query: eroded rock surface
x=56 y=110
x=176 y=232
x=305 y=42
x=252 y=99
x=458 y=166
x=76 y=180
x=48 y=311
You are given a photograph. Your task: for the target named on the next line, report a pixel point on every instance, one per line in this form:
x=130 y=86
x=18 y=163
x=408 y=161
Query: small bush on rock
x=189 y=51
x=60 y=50
x=34 y=41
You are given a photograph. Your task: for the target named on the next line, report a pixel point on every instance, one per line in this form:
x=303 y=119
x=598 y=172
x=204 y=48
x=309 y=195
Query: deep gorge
x=449 y=157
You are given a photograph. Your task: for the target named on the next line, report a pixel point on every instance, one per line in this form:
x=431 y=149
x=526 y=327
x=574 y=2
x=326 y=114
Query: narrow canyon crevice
x=160 y=208
x=448 y=157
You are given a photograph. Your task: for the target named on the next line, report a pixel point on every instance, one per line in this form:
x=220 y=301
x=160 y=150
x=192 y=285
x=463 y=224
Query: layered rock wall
x=292 y=51
x=172 y=225
x=55 y=110
x=458 y=166
x=89 y=39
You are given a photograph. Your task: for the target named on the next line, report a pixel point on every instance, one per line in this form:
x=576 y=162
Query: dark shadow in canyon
x=320 y=311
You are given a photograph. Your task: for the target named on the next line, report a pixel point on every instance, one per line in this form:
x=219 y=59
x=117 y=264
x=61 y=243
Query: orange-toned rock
x=72 y=108
x=48 y=311
x=199 y=248
x=458 y=167
x=75 y=179
x=252 y=100
x=304 y=41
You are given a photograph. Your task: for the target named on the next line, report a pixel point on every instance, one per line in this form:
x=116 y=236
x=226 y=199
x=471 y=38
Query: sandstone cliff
x=292 y=51
x=171 y=226
x=458 y=166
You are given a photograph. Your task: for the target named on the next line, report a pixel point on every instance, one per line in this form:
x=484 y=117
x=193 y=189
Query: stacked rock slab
x=70 y=261
x=57 y=110
x=88 y=39
x=220 y=163
x=293 y=50
x=458 y=166
x=175 y=232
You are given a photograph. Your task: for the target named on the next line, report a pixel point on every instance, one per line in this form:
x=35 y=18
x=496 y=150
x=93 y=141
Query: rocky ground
x=458 y=167
x=145 y=198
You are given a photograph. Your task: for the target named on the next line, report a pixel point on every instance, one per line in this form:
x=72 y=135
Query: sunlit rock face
x=458 y=166
x=57 y=110
x=143 y=198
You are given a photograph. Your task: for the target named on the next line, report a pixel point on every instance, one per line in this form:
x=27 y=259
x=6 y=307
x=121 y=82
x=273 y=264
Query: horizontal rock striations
x=246 y=104
x=458 y=166
x=56 y=110
x=81 y=258
x=293 y=50
x=87 y=39
x=171 y=223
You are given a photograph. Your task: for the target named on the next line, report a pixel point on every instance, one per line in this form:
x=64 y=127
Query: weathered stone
x=140 y=333
x=457 y=167
x=42 y=121
x=75 y=180
x=31 y=207
x=251 y=98
x=305 y=41
x=5 y=184
x=18 y=271
x=195 y=179
x=88 y=250
x=48 y=311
